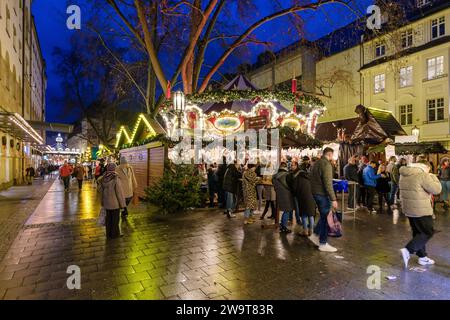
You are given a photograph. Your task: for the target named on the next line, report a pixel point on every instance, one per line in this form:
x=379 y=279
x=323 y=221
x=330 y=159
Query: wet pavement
x=203 y=255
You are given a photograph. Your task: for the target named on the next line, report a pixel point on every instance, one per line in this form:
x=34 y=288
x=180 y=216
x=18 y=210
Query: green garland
x=237 y=95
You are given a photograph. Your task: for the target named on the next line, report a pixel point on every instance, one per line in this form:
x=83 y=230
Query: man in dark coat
x=306 y=203
x=220 y=176
x=351 y=174
x=322 y=188
x=231 y=187
x=285 y=200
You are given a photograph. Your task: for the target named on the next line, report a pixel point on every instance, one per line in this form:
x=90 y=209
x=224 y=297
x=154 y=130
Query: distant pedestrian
x=221 y=197
x=231 y=186
x=285 y=200
x=30 y=173
x=295 y=169
x=249 y=181
x=363 y=163
x=306 y=203
x=383 y=189
x=79 y=175
x=370 y=183
x=444 y=178
x=351 y=175
x=417 y=185
x=65 y=172
x=321 y=178
x=112 y=200
x=127 y=178
x=213 y=181
x=395 y=178
x=271 y=196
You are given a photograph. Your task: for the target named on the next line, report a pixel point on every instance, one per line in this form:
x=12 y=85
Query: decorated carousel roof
x=239 y=83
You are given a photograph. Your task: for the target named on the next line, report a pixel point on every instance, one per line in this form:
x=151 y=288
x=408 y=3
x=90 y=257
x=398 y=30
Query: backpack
x=334 y=220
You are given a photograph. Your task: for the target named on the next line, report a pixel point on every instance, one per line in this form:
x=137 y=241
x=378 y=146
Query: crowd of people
x=301 y=188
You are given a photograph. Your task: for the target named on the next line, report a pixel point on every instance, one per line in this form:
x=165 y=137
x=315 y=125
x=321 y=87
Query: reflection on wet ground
x=203 y=255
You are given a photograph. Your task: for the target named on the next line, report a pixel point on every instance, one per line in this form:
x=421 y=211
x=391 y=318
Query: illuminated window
x=435 y=109
x=435 y=67
x=406 y=77
x=380 y=83
x=437 y=28
x=406 y=115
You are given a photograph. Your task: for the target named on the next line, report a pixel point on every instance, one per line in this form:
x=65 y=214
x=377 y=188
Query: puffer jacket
x=112 y=194
x=416 y=187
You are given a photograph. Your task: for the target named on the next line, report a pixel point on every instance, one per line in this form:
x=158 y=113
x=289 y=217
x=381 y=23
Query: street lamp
x=179 y=104
x=415 y=131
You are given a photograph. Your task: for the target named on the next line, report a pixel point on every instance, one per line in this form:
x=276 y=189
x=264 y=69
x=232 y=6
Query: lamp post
x=179 y=104
x=415 y=132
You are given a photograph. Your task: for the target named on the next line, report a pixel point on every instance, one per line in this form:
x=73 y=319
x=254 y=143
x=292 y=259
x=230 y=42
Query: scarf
x=110 y=173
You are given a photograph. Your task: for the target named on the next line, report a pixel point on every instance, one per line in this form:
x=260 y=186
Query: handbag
x=334 y=220
x=101 y=220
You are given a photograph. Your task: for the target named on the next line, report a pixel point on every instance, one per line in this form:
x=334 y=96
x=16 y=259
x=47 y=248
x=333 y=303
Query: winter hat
x=123 y=160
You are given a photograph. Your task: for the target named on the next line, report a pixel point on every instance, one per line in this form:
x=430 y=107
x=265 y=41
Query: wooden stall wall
x=148 y=164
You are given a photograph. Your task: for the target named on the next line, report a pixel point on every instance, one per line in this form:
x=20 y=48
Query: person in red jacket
x=65 y=173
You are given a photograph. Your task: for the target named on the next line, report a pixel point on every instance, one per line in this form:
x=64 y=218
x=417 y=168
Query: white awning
x=15 y=125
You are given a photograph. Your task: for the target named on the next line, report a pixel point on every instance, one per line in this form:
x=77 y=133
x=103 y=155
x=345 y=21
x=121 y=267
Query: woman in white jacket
x=125 y=174
x=417 y=185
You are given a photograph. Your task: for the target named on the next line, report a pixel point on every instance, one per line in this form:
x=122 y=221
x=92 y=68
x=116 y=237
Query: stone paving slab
x=203 y=255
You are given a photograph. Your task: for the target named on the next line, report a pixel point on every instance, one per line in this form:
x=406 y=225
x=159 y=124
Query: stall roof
x=379 y=125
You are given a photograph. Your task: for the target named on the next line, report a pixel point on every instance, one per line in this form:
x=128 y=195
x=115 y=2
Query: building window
x=380 y=49
x=421 y=3
x=437 y=28
x=380 y=82
x=435 y=67
x=407 y=39
x=406 y=77
x=406 y=115
x=435 y=109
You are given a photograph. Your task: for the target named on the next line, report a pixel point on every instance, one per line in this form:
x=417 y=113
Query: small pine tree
x=178 y=190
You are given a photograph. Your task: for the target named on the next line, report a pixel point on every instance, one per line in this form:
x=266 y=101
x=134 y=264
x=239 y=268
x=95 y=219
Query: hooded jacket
x=282 y=182
x=416 y=187
x=112 y=193
x=125 y=174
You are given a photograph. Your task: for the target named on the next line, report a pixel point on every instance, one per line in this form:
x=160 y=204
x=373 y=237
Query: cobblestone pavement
x=203 y=255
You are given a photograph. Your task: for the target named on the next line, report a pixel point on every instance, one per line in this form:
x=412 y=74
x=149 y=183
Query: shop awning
x=15 y=125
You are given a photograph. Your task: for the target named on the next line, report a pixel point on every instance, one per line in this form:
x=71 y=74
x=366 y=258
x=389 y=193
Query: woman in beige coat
x=417 y=185
x=113 y=200
x=125 y=174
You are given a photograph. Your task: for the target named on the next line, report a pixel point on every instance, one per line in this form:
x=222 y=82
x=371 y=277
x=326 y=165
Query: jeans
x=231 y=201
x=422 y=230
x=66 y=181
x=324 y=205
x=371 y=192
x=305 y=219
x=248 y=213
x=394 y=189
x=285 y=218
x=445 y=189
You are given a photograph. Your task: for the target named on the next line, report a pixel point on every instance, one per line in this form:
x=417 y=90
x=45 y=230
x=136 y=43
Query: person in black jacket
x=306 y=204
x=383 y=188
x=231 y=187
x=351 y=174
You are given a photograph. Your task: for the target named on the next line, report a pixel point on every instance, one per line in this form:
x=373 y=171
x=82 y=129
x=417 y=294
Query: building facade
x=22 y=91
x=405 y=70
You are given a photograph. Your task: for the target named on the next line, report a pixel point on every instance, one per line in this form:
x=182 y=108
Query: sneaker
x=297 y=229
x=425 y=261
x=314 y=239
x=405 y=255
x=327 y=248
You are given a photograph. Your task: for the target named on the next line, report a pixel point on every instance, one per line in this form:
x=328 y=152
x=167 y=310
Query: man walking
x=321 y=177
x=417 y=185
x=79 y=174
x=65 y=173
x=30 y=174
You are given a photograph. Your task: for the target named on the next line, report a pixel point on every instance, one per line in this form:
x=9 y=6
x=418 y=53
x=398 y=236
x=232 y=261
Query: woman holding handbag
x=113 y=199
x=125 y=174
